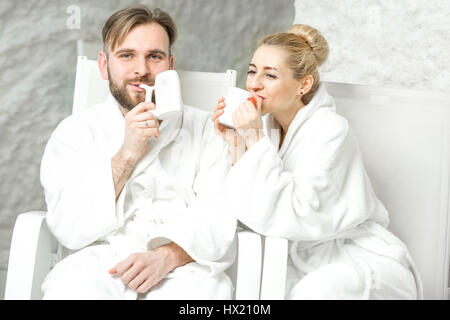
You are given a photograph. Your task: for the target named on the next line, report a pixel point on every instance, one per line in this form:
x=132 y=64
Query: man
x=132 y=192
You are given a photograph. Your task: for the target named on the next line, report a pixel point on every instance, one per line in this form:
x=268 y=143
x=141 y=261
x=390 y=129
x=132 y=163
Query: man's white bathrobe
x=169 y=197
x=315 y=192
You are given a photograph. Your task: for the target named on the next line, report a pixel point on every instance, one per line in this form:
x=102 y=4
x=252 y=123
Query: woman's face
x=270 y=78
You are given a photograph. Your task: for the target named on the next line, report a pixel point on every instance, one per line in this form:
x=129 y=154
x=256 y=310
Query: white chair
x=404 y=136
x=34 y=250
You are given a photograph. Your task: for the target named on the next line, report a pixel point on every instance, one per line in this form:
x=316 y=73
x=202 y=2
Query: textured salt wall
x=391 y=43
x=37 y=72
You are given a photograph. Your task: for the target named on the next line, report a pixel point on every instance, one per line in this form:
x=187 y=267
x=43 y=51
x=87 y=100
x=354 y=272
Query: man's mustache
x=149 y=82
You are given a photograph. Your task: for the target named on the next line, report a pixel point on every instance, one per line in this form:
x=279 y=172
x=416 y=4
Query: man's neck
x=123 y=110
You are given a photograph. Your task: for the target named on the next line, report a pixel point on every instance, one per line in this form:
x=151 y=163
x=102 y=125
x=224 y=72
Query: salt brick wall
x=37 y=73
x=402 y=44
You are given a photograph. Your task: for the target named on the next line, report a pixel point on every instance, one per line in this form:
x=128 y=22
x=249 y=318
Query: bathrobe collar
x=320 y=100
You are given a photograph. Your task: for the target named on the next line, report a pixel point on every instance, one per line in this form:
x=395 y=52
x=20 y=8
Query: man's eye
x=125 y=55
x=155 y=57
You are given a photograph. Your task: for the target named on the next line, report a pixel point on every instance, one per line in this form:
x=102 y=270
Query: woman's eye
x=251 y=72
x=271 y=76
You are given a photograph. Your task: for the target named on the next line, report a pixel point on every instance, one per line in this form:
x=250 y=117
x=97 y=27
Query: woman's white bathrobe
x=169 y=197
x=315 y=192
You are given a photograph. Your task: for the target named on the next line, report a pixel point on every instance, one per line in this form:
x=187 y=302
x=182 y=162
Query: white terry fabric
x=315 y=192
x=169 y=196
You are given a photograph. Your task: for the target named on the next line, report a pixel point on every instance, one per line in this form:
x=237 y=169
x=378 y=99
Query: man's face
x=143 y=54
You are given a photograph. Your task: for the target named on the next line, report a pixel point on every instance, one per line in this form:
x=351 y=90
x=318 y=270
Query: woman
x=308 y=184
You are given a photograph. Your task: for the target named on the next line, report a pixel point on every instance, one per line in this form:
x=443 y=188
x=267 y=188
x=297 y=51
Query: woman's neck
x=285 y=119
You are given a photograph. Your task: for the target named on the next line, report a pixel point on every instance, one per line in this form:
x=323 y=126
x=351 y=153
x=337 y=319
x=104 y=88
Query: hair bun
x=314 y=39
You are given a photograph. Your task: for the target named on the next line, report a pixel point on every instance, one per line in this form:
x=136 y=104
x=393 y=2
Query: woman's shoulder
x=326 y=124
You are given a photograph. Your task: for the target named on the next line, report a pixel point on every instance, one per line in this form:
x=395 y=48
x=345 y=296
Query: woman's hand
x=236 y=144
x=247 y=119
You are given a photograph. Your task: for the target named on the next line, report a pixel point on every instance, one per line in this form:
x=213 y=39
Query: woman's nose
x=254 y=84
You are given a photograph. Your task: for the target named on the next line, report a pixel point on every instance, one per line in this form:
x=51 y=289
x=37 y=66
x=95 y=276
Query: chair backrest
x=198 y=89
x=404 y=138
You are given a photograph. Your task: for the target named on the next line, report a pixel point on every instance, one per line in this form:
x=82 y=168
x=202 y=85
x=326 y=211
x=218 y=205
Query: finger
x=134 y=270
x=121 y=267
x=140 y=278
x=147 y=285
x=113 y=270
x=248 y=107
x=221 y=99
x=142 y=107
x=219 y=127
x=259 y=102
x=218 y=113
x=147 y=115
x=147 y=124
x=221 y=105
x=151 y=132
x=131 y=273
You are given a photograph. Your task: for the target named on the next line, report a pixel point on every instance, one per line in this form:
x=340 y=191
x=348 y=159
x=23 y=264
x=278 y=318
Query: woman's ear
x=306 y=84
x=102 y=62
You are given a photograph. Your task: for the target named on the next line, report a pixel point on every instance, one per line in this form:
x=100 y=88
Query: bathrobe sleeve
x=203 y=230
x=319 y=189
x=79 y=190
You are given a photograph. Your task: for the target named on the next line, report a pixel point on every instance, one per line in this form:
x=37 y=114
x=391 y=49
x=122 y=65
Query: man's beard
x=120 y=93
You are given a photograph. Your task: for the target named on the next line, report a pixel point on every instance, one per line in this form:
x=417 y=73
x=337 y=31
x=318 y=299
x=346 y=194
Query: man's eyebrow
x=265 y=68
x=154 y=51
x=157 y=51
x=124 y=50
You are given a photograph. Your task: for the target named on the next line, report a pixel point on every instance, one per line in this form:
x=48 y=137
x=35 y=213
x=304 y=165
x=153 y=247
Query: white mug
x=235 y=96
x=167 y=94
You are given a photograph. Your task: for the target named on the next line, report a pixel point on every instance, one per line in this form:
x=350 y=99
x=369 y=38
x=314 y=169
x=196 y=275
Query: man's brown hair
x=120 y=24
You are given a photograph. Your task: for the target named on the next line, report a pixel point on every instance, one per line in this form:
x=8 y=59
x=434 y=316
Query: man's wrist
x=127 y=158
x=177 y=256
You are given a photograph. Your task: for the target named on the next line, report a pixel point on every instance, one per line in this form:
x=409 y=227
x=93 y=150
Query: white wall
x=399 y=43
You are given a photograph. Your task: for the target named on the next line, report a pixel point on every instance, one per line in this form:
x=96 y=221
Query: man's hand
x=141 y=271
x=140 y=125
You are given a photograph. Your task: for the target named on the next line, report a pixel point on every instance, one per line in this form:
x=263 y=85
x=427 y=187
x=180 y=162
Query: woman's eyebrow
x=265 y=68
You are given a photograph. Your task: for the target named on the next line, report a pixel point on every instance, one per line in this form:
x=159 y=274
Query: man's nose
x=141 y=67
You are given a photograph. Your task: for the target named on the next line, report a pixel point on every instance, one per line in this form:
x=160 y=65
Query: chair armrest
x=248 y=279
x=30 y=256
x=274 y=268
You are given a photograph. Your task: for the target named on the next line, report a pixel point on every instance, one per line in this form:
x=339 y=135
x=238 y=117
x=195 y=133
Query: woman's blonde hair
x=307 y=50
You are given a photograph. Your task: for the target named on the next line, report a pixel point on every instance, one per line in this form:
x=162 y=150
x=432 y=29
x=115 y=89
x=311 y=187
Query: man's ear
x=103 y=65
x=171 y=62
